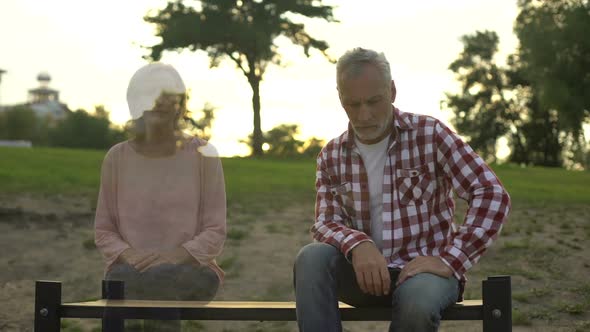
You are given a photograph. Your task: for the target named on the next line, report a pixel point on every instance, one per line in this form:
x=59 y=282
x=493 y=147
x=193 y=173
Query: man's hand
x=370 y=268
x=422 y=264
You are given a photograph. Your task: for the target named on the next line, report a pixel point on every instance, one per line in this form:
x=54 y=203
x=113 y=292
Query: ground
x=544 y=248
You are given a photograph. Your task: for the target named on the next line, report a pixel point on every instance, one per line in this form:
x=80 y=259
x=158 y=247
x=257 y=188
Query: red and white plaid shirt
x=425 y=161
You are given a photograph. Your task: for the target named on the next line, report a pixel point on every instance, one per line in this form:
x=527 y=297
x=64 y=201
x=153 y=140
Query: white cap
x=148 y=83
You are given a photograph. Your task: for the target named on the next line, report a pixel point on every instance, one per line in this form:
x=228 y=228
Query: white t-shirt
x=374 y=156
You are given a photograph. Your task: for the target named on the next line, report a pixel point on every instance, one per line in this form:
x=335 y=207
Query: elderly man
x=384 y=209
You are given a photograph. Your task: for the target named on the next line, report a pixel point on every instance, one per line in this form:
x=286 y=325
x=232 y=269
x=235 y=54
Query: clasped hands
x=142 y=260
x=373 y=276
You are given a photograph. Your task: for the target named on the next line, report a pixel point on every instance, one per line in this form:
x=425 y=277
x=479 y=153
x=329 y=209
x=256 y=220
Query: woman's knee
x=197 y=283
x=121 y=272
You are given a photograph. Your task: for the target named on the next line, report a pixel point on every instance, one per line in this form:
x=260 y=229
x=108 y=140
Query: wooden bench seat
x=242 y=311
x=494 y=310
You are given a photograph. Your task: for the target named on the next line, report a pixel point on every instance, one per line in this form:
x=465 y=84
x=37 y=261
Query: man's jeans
x=323 y=276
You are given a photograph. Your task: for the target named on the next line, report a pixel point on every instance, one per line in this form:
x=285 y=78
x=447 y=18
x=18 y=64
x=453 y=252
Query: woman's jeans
x=166 y=282
x=323 y=276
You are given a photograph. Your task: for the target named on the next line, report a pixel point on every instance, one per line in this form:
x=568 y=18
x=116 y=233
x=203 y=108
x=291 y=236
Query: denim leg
x=315 y=288
x=130 y=276
x=166 y=282
x=196 y=283
x=322 y=277
x=178 y=282
x=417 y=303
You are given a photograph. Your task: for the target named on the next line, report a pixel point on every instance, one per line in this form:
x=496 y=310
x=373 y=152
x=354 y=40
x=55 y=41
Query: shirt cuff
x=348 y=252
x=456 y=260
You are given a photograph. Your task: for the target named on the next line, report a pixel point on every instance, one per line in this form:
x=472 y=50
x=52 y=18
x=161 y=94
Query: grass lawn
x=51 y=171
x=250 y=183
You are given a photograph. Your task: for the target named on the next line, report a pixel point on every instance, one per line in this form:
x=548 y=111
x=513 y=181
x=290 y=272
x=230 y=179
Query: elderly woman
x=160 y=218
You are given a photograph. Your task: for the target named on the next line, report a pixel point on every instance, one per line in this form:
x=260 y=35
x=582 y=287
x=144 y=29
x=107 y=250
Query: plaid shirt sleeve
x=475 y=182
x=329 y=226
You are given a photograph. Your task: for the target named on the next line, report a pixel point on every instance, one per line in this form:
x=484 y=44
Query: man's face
x=367 y=100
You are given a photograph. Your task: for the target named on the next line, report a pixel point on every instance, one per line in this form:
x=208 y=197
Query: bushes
x=78 y=129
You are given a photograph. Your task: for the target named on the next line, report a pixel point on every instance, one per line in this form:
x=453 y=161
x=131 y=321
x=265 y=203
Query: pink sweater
x=161 y=203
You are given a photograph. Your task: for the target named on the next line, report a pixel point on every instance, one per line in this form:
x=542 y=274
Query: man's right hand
x=370 y=268
x=139 y=259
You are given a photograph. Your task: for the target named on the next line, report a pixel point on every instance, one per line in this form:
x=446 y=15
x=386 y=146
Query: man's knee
x=415 y=313
x=315 y=255
x=432 y=288
x=313 y=262
x=418 y=301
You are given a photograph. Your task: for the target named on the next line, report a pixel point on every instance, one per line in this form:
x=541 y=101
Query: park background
x=527 y=116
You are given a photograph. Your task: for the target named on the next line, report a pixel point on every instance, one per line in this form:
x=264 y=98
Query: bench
x=494 y=310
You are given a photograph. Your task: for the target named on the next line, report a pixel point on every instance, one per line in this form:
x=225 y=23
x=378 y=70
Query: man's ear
x=393 y=91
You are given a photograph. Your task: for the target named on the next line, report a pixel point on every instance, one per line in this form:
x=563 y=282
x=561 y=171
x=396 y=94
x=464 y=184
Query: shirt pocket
x=414 y=185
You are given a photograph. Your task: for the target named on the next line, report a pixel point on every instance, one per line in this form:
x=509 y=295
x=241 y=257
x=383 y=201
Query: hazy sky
x=91 y=49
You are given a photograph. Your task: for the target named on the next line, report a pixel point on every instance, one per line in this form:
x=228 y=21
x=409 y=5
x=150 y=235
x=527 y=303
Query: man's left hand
x=423 y=264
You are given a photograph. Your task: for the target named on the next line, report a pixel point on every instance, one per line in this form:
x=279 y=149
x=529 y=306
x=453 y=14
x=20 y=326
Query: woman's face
x=165 y=112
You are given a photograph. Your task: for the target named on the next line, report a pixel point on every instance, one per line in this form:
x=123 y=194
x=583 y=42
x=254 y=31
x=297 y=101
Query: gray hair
x=353 y=60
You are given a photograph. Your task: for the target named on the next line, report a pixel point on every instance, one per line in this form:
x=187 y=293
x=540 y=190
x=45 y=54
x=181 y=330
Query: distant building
x=43 y=100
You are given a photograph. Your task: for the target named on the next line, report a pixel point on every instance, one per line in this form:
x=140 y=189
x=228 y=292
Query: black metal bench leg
x=113 y=290
x=497 y=304
x=47 y=303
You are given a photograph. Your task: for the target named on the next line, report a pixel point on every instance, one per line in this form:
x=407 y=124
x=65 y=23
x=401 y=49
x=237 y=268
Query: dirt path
x=52 y=238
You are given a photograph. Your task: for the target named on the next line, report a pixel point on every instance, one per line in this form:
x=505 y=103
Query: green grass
x=256 y=184
x=253 y=184
x=49 y=170
x=540 y=185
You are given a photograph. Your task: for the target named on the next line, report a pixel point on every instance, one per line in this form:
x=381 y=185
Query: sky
x=92 y=48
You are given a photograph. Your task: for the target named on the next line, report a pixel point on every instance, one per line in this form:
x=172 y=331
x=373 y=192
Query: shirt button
x=417 y=192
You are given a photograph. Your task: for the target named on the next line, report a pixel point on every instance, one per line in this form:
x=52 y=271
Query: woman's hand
x=176 y=256
x=139 y=259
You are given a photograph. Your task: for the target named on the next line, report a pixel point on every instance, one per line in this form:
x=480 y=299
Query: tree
x=541 y=100
x=243 y=31
x=535 y=132
x=282 y=142
x=555 y=54
x=481 y=108
x=19 y=123
x=202 y=126
x=81 y=129
x=313 y=146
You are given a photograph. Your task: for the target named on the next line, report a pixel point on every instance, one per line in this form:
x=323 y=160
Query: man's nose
x=364 y=112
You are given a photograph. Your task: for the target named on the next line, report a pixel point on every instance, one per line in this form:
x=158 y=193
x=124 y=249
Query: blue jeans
x=323 y=276
x=166 y=282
